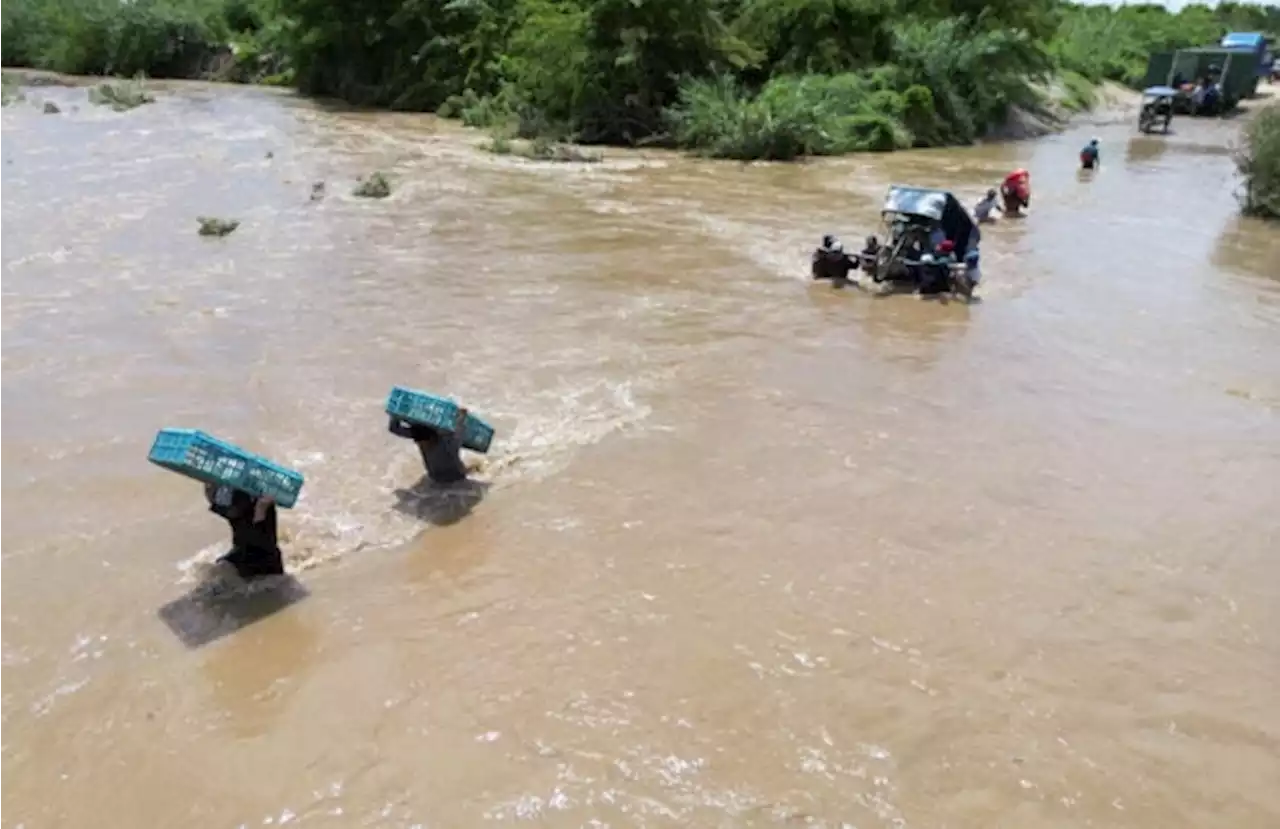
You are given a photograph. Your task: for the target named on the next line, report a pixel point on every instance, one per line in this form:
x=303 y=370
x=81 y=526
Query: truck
x=1257 y=43
x=1236 y=68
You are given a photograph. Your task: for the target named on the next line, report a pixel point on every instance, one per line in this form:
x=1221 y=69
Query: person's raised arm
x=261 y=507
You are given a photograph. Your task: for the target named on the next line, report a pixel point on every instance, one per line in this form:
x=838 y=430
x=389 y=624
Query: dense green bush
x=162 y=38
x=1259 y=163
x=948 y=82
x=234 y=39
x=793 y=115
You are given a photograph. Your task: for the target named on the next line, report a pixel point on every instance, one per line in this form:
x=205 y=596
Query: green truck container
x=1239 y=68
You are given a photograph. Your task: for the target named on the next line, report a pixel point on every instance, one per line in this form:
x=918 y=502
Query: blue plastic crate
x=438 y=413
x=197 y=455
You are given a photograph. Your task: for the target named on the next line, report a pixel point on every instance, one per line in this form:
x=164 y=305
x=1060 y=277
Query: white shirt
x=982 y=210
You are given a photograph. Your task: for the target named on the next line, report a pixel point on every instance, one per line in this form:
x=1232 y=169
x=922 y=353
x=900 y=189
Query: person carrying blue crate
x=440 y=449
x=255 y=549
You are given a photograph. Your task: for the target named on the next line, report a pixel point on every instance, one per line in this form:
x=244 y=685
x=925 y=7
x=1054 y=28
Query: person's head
x=829 y=241
x=241 y=503
x=1093 y=142
x=991 y=194
x=872 y=242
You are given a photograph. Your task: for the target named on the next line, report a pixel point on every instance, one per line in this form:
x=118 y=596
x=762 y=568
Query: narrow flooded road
x=751 y=551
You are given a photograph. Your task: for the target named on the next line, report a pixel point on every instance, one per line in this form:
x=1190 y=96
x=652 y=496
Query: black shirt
x=245 y=533
x=440 y=452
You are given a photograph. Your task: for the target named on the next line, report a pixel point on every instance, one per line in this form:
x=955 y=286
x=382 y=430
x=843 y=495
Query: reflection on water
x=748 y=550
x=218 y=607
x=1143 y=149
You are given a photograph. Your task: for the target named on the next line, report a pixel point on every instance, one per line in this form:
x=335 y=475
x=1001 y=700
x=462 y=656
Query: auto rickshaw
x=1157 y=108
x=916 y=220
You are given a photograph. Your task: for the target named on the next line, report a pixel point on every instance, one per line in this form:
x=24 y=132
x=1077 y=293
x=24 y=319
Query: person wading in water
x=440 y=450
x=255 y=550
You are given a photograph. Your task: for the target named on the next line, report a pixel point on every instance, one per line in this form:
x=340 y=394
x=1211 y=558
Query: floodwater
x=748 y=551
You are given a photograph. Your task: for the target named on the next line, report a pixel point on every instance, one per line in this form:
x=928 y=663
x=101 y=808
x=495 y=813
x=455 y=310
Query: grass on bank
x=1079 y=94
x=1258 y=160
x=11 y=90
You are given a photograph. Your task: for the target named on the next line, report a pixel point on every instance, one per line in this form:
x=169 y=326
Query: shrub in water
x=790 y=117
x=12 y=92
x=376 y=186
x=217 y=227
x=120 y=95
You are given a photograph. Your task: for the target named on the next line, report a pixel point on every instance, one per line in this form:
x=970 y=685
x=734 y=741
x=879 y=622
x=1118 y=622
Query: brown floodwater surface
x=748 y=551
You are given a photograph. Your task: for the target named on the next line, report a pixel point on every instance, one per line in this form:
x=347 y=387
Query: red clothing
x=1019 y=183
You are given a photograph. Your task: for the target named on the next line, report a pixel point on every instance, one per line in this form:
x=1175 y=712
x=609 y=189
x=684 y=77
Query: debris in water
x=375 y=186
x=216 y=227
x=270 y=155
x=121 y=95
x=317 y=191
x=12 y=92
x=541 y=149
x=50 y=108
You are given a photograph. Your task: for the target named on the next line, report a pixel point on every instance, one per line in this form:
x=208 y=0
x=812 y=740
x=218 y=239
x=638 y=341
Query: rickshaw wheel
x=884 y=260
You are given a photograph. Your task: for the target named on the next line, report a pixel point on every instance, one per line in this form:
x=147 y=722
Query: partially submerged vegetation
x=374 y=186
x=211 y=226
x=12 y=93
x=121 y=95
x=1258 y=161
x=541 y=149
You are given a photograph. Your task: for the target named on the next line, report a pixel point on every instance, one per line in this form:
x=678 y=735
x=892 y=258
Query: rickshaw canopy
x=936 y=206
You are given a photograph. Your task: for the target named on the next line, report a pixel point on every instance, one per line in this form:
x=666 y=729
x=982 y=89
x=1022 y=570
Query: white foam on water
x=349 y=502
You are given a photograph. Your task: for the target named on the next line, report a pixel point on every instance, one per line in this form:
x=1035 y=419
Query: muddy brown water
x=750 y=551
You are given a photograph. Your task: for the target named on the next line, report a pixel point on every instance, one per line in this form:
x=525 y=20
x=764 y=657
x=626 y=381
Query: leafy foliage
x=1259 y=163
x=163 y=38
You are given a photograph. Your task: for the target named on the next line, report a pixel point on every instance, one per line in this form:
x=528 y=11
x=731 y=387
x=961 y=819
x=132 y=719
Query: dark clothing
x=1089 y=157
x=832 y=264
x=867 y=258
x=440 y=450
x=255 y=550
x=935 y=278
